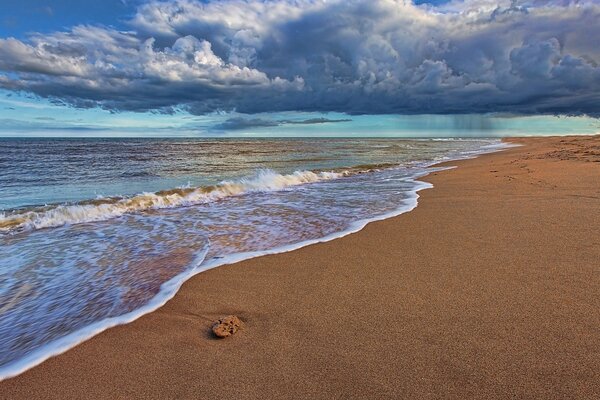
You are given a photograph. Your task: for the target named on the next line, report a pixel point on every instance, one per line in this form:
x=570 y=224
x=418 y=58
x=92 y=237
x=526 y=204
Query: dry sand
x=489 y=289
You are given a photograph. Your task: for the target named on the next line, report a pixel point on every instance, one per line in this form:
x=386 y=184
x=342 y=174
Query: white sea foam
x=103 y=209
x=170 y=288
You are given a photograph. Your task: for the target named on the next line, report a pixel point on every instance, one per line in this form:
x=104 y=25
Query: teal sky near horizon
x=22 y=116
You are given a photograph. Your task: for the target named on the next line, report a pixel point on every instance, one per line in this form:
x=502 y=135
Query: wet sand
x=490 y=288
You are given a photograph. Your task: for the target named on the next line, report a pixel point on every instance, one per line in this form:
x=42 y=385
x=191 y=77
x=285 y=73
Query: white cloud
x=356 y=56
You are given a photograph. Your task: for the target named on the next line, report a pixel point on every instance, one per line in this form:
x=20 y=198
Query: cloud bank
x=352 y=56
x=240 y=123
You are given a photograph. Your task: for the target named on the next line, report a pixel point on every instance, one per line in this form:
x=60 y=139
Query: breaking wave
x=104 y=208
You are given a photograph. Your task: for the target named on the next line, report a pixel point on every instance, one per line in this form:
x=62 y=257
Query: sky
x=299 y=67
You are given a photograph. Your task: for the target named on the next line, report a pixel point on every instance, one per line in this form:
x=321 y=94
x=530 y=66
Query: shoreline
x=170 y=288
x=259 y=313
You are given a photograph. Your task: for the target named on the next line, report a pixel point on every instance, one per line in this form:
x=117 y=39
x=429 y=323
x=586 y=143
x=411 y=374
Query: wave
x=105 y=208
x=200 y=264
x=265 y=180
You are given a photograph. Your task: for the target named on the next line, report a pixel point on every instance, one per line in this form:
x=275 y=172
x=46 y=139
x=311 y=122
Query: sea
x=97 y=232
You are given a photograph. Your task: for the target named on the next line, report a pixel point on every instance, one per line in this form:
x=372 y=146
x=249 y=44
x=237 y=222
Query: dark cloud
x=245 y=123
x=357 y=57
x=313 y=121
x=239 y=123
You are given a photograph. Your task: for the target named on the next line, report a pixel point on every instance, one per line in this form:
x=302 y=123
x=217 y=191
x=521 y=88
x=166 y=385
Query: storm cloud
x=239 y=123
x=352 y=56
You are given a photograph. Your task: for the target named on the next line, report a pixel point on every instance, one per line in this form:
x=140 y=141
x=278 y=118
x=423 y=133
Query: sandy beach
x=490 y=288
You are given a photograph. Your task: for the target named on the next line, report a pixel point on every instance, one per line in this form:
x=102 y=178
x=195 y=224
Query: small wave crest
x=100 y=209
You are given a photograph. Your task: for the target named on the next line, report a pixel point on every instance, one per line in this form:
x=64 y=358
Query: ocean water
x=96 y=232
